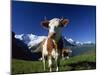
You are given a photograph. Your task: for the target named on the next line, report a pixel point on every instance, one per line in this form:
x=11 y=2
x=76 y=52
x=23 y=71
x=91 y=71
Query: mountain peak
x=30 y=39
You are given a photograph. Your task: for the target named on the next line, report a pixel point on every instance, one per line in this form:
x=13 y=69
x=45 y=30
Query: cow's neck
x=58 y=37
x=59 y=41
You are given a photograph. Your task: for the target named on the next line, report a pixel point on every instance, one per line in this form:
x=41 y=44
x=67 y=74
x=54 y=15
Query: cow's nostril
x=54 y=33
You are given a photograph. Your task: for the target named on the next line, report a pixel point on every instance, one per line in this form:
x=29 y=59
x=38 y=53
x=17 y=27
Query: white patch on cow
x=54 y=22
x=54 y=53
x=45 y=52
x=57 y=69
x=54 y=28
x=51 y=30
x=50 y=63
x=67 y=57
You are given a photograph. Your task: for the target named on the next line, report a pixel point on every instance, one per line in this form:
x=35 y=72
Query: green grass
x=81 y=62
x=22 y=66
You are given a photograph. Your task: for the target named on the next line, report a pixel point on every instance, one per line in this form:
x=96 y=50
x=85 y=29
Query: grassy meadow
x=80 y=62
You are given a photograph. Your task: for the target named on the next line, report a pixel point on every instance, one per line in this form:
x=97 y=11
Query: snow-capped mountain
x=70 y=40
x=30 y=39
x=77 y=43
x=33 y=40
x=19 y=36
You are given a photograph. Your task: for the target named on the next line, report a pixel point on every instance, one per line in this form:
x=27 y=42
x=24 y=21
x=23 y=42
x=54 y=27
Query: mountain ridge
x=33 y=40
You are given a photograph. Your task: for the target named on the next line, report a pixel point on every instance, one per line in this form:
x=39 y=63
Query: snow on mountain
x=78 y=43
x=88 y=42
x=70 y=40
x=36 y=41
x=19 y=36
x=33 y=40
x=30 y=39
x=83 y=43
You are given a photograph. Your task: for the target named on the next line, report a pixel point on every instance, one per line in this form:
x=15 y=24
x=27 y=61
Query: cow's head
x=55 y=25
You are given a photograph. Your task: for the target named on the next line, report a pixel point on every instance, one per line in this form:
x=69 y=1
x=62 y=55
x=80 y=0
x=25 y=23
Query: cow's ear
x=45 y=24
x=64 y=22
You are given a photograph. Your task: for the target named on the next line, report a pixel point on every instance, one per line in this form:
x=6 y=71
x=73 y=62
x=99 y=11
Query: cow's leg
x=43 y=59
x=56 y=61
x=49 y=63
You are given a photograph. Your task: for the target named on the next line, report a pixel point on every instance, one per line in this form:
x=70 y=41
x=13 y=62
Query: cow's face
x=55 y=26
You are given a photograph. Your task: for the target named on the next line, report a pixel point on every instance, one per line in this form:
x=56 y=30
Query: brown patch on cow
x=57 y=45
x=53 y=45
x=50 y=45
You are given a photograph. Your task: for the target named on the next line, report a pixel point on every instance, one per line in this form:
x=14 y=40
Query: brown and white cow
x=53 y=45
x=66 y=52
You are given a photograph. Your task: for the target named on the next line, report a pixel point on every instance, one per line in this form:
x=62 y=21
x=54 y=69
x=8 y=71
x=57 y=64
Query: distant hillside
x=84 y=49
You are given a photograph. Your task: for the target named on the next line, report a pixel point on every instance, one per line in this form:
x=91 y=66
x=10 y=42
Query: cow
x=66 y=52
x=53 y=44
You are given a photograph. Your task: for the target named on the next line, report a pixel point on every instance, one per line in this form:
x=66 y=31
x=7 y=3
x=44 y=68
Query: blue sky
x=27 y=16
